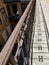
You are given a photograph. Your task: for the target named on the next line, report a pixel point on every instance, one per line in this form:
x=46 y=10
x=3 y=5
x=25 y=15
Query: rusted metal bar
x=6 y=51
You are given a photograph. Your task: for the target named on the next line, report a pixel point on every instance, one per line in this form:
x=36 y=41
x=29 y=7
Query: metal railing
x=7 y=49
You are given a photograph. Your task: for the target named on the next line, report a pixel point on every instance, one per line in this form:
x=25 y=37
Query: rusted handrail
x=6 y=51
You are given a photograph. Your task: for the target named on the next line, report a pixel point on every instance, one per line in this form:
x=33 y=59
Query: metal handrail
x=7 y=49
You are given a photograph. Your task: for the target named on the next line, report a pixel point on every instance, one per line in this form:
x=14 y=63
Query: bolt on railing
x=7 y=49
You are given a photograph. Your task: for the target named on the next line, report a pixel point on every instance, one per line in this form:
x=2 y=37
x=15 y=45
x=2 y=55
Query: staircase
x=29 y=40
